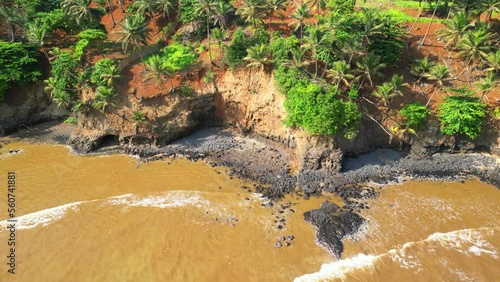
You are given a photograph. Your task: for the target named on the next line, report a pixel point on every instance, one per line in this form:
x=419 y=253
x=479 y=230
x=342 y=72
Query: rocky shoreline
x=272 y=167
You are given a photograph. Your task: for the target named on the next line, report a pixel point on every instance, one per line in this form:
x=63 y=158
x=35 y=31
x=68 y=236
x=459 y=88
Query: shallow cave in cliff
x=110 y=141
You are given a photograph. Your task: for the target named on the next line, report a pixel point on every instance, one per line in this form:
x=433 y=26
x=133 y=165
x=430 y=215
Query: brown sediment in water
x=112 y=218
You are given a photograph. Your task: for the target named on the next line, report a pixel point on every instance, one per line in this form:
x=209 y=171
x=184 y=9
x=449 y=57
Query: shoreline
x=269 y=165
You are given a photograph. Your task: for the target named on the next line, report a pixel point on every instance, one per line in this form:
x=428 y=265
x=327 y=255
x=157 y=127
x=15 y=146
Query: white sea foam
x=470 y=241
x=165 y=200
x=43 y=217
x=339 y=268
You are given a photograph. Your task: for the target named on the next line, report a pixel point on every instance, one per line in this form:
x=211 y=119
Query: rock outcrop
x=27 y=105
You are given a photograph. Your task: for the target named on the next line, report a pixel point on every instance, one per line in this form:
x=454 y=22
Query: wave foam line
x=453 y=239
x=43 y=217
x=167 y=200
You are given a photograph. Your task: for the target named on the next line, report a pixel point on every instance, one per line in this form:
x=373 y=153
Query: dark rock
x=332 y=224
x=278 y=245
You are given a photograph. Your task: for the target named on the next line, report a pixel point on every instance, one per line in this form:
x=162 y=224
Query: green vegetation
x=414 y=115
x=462 y=114
x=20 y=65
x=334 y=61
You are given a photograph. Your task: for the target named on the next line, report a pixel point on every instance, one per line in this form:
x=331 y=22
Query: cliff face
x=27 y=105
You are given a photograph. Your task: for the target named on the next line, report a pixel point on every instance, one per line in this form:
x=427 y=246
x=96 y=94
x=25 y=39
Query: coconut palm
x=475 y=45
x=454 y=29
x=80 y=10
x=207 y=8
x=258 y=56
x=371 y=23
x=163 y=6
x=299 y=17
x=222 y=12
x=314 y=39
x=385 y=92
x=319 y=4
x=110 y=74
x=36 y=34
x=493 y=61
x=219 y=35
x=487 y=84
x=156 y=70
x=252 y=11
x=439 y=73
x=298 y=59
x=352 y=47
x=277 y=6
x=369 y=67
x=103 y=97
x=341 y=73
x=7 y=10
x=147 y=7
x=489 y=7
x=421 y=67
x=135 y=31
x=397 y=82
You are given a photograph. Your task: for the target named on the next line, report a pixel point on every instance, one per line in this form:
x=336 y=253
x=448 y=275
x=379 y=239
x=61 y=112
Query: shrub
x=101 y=68
x=320 y=112
x=287 y=78
x=73 y=120
x=281 y=46
x=19 y=63
x=237 y=49
x=462 y=114
x=187 y=91
x=177 y=57
x=414 y=115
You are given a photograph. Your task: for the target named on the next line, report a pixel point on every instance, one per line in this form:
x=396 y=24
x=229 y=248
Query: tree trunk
x=111 y=13
x=429 y=27
x=209 y=45
x=416 y=20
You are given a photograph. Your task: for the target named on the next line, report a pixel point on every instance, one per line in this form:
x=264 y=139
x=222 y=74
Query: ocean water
x=112 y=218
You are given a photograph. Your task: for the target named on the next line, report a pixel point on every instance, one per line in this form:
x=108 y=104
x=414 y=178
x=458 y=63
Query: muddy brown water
x=112 y=218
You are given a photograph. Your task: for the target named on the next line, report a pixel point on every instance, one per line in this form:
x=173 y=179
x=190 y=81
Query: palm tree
x=455 y=29
x=219 y=35
x=475 y=45
x=135 y=31
x=164 y=7
x=110 y=75
x=103 y=97
x=385 y=92
x=156 y=70
x=7 y=10
x=440 y=74
x=493 y=61
x=397 y=82
x=320 y=5
x=36 y=35
x=341 y=73
x=277 y=6
x=314 y=39
x=206 y=7
x=368 y=67
x=299 y=16
x=487 y=84
x=81 y=10
x=351 y=48
x=421 y=68
x=298 y=59
x=222 y=11
x=490 y=7
x=371 y=23
x=147 y=7
x=252 y=11
x=258 y=56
